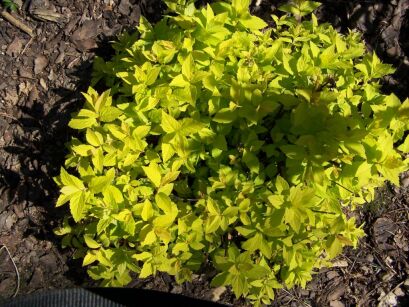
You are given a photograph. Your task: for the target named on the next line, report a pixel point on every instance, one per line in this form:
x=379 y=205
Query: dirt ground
x=41 y=77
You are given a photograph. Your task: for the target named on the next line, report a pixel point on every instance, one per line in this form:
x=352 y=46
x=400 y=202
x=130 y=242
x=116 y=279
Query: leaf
x=64 y=198
x=89 y=258
x=98 y=160
x=77 y=206
x=225 y=116
x=253 y=22
x=83 y=150
x=212 y=224
x=68 y=179
x=109 y=114
x=94 y=138
x=82 y=123
x=188 y=67
x=153 y=173
x=164 y=203
x=169 y=177
x=241 y=6
x=167 y=152
x=91 y=243
x=169 y=124
x=179 y=81
x=99 y=183
x=307 y=7
x=116 y=131
x=281 y=184
x=147 y=211
x=254 y=243
x=251 y=161
x=152 y=75
x=147 y=270
x=191 y=126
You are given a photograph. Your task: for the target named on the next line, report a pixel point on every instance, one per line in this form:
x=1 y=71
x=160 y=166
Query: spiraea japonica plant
x=225 y=142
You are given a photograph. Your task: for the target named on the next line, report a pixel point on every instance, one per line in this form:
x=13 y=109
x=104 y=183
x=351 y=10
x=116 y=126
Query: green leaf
x=82 y=123
x=99 y=183
x=169 y=124
x=109 y=114
x=98 y=160
x=191 y=126
x=225 y=116
x=147 y=270
x=152 y=75
x=68 y=179
x=94 y=138
x=153 y=173
x=77 y=206
x=167 y=152
x=188 y=67
x=253 y=22
x=91 y=243
x=147 y=211
x=254 y=243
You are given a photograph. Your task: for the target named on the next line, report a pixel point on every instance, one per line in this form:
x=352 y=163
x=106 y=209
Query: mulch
x=41 y=78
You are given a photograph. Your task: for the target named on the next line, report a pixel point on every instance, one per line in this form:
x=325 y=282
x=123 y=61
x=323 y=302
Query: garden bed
x=41 y=78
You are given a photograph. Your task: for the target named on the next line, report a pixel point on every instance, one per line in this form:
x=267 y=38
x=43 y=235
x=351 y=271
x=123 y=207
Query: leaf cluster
x=224 y=141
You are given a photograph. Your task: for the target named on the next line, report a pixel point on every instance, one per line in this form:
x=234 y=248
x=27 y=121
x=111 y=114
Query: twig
x=26 y=46
x=17 y=23
x=8 y=116
x=15 y=268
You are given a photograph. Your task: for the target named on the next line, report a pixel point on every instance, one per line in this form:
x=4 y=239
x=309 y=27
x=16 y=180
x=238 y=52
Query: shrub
x=224 y=141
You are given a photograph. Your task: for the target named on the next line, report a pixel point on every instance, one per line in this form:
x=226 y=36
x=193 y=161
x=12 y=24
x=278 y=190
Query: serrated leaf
x=169 y=177
x=68 y=179
x=109 y=114
x=83 y=150
x=152 y=75
x=225 y=116
x=169 y=124
x=99 y=183
x=94 y=138
x=82 y=123
x=147 y=270
x=253 y=22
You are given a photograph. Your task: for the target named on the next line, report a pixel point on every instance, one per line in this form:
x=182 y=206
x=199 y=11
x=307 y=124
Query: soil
x=41 y=79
